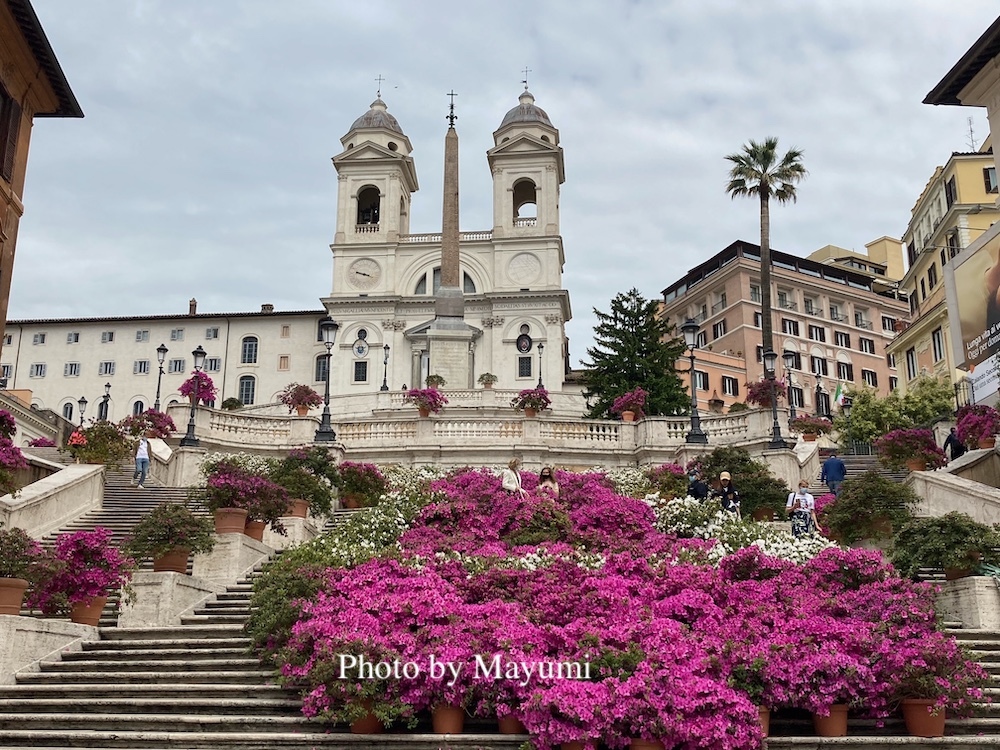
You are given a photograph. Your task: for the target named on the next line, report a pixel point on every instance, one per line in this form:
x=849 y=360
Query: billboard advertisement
x=973 y=292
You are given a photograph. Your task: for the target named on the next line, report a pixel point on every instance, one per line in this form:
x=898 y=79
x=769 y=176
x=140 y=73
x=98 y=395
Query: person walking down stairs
x=141 y=462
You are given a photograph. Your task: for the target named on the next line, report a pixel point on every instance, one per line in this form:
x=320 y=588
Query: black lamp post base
x=699 y=438
x=190 y=442
x=325 y=436
x=777 y=444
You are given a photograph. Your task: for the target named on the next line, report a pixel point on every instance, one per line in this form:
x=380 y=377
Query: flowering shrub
x=83 y=565
x=487 y=378
x=360 y=480
x=899 y=446
x=811 y=425
x=11 y=460
x=151 y=423
x=430 y=399
x=634 y=400
x=977 y=422
x=41 y=442
x=230 y=486
x=532 y=398
x=169 y=526
x=670 y=480
x=19 y=554
x=101 y=442
x=759 y=392
x=298 y=394
x=199 y=383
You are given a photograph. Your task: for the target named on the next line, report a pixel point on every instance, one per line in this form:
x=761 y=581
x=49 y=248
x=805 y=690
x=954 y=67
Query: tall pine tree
x=634 y=348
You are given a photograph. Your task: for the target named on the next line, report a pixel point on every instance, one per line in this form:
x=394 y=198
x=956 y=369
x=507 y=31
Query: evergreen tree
x=634 y=348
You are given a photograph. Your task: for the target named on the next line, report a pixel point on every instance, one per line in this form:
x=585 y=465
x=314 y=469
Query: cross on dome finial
x=451 y=107
x=525 y=81
x=378 y=93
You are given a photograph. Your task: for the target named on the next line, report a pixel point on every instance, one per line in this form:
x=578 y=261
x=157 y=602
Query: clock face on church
x=523 y=268
x=364 y=273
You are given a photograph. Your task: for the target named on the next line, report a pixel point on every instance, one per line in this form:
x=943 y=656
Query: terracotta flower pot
x=301 y=410
x=88 y=612
x=809 y=437
x=990 y=442
x=511 y=725
x=638 y=744
x=628 y=416
x=530 y=413
x=765 y=719
x=834 y=725
x=916 y=464
x=448 y=719
x=953 y=574
x=368 y=724
x=299 y=508
x=230 y=520
x=573 y=746
x=423 y=412
x=763 y=514
x=174 y=561
x=11 y=595
x=351 y=501
x=255 y=530
x=920 y=720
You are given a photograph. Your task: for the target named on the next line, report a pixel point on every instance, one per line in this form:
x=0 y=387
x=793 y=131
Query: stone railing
x=52 y=502
x=366 y=228
x=462 y=236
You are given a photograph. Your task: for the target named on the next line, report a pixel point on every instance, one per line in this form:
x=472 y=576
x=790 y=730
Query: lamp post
x=189 y=440
x=541 y=346
x=328 y=328
x=770 y=363
x=696 y=435
x=385 y=368
x=82 y=403
x=846 y=408
x=105 y=403
x=161 y=355
x=819 y=392
x=789 y=359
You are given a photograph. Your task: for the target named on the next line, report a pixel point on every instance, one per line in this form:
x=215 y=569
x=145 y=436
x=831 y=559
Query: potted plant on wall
x=954 y=542
x=978 y=425
x=630 y=406
x=531 y=401
x=101 y=442
x=305 y=476
x=232 y=404
x=759 y=392
x=202 y=384
x=19 y=556
x=427 y=400
x=487 y=380
x=300 y=398
x=169 y=534
x=914 y=448
x=811 y=427
x=359 y=485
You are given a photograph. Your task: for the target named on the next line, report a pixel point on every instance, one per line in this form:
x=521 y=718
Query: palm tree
x=758 y=171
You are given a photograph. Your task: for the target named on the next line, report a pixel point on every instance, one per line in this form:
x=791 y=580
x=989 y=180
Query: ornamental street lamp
x=789 y=359
x=82 y=403
x=189 y=440
x=846 y=408
x=385 y=368
x=161 y=355
x=696 y=435
x=102 y=412
x=770 y=362
x=819 y=394
x=328 y=328
x=541 y=346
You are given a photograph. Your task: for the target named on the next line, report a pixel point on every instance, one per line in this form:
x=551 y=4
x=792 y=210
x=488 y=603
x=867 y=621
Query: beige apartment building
x=835 y=311
x=955 y=208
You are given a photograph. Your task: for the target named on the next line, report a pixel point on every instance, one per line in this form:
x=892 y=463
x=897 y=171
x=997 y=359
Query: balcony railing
x=837 y=317
x=528 y=221
x=718 y=306
x=366 y=229
x=862 y=323
x=700 y=317
x=785 y=304
x=814 y=311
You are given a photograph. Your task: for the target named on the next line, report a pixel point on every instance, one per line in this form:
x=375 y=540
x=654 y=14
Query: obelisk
x=449 y=335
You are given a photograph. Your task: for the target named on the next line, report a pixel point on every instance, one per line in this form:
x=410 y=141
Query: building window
x=73 y=337
x=10 y=123
x=213 y=364
x=71 y=370
x=38 y=338
x=106 y=368
x=845 y=371
x=784 y=301
x=890 y=359
x=758 y=319
x=249 y=351
x=176 y=365
x=823 y=404
x=760 y=353
x=867 y=345
x=932 y=276
x=8 y=340
x=719 y=329
x=286 y=331
x=247 y=389
x=176 y=334
x=817 y=333
x=701 y=380
x=140 y=367
x=796 y=396
x=37 y=371
x=950 y=192
x=701 y=340
x=893 y=383
x=5 y=371
x=283 y=362
x=835 y=313
x=888 y=324
x=321 y=368
x=911 y=363
x=138 y=408
x=796 y=359
x=212 y=333
x=102 y=409
x=361 y=371
x=923 y=290
x=790 y=327
x=818 y=366
x=107 y=337
x=730 y=386
x=142 y=336
x=937 y=344
x=754 y=293
x=842 y=339
x=990 y=179
x=67 y=411
x=524 y=366
x=861 y=319
x=870 y=377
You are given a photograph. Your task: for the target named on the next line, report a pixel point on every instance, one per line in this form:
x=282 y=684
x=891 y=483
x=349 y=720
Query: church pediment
x=368 y=151
x=523 y=143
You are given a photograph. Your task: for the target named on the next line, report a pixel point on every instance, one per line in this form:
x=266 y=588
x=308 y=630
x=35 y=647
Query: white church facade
x=385 y=285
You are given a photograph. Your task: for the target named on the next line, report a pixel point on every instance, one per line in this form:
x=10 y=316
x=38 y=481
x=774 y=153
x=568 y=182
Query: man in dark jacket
x=697 y=488
x=833 y=473
x=952 y=441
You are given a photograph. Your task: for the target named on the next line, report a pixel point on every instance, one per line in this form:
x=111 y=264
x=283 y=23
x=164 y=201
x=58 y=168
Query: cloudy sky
x=202 y=168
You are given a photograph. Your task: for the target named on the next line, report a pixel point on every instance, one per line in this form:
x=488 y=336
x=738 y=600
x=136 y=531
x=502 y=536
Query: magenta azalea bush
x=976 y=422
x=298 y=394
x=152 y=423
x=916 y=443
x=575 y=615
x=426 y=398
x=532 y=398
x=634 y=400
x=11 y=458
x=759 y=392
x=41 y=442
x=809 y=425
x=202 y=384
x=231 y=486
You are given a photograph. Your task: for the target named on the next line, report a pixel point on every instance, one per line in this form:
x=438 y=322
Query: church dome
x=526 y=111
x=377 y=117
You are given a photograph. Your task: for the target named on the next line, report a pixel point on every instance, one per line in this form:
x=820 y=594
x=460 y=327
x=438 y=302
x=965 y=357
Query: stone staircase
x=856 y=466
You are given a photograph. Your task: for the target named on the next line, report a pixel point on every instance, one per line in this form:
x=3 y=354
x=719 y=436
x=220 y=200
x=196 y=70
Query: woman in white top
x=801 y=507
x=512 y=479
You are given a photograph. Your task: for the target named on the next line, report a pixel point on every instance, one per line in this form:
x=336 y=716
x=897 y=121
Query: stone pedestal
x=449 y=352
x=161 y=599
x=234 y=556
x=24 y=641
x=299 y=530
x=975 y=601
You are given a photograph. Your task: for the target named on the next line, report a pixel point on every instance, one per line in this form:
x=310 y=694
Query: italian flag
x=839 y=398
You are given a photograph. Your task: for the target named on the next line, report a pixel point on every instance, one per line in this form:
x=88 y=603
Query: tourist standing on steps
x=141 y=462
x=547 y=482
x=801 y=507
x=727 y=494
x=952 y=441
x=833 y=473
x=512 y=479
x=696 y=487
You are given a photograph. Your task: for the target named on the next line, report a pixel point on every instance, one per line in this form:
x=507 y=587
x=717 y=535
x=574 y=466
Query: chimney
x=267 y=308
x=193 y=307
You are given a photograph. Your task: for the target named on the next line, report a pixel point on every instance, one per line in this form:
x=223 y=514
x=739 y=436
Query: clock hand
x=362 y=273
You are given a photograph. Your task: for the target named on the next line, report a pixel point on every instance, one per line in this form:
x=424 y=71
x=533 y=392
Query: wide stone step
x=155 y=705
x=155 y=665
x=213 y=619
x=233 y=677
x=165 y=654
x=193 y=644
x=174 y=633
x=238 y=722
x=171 y=690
